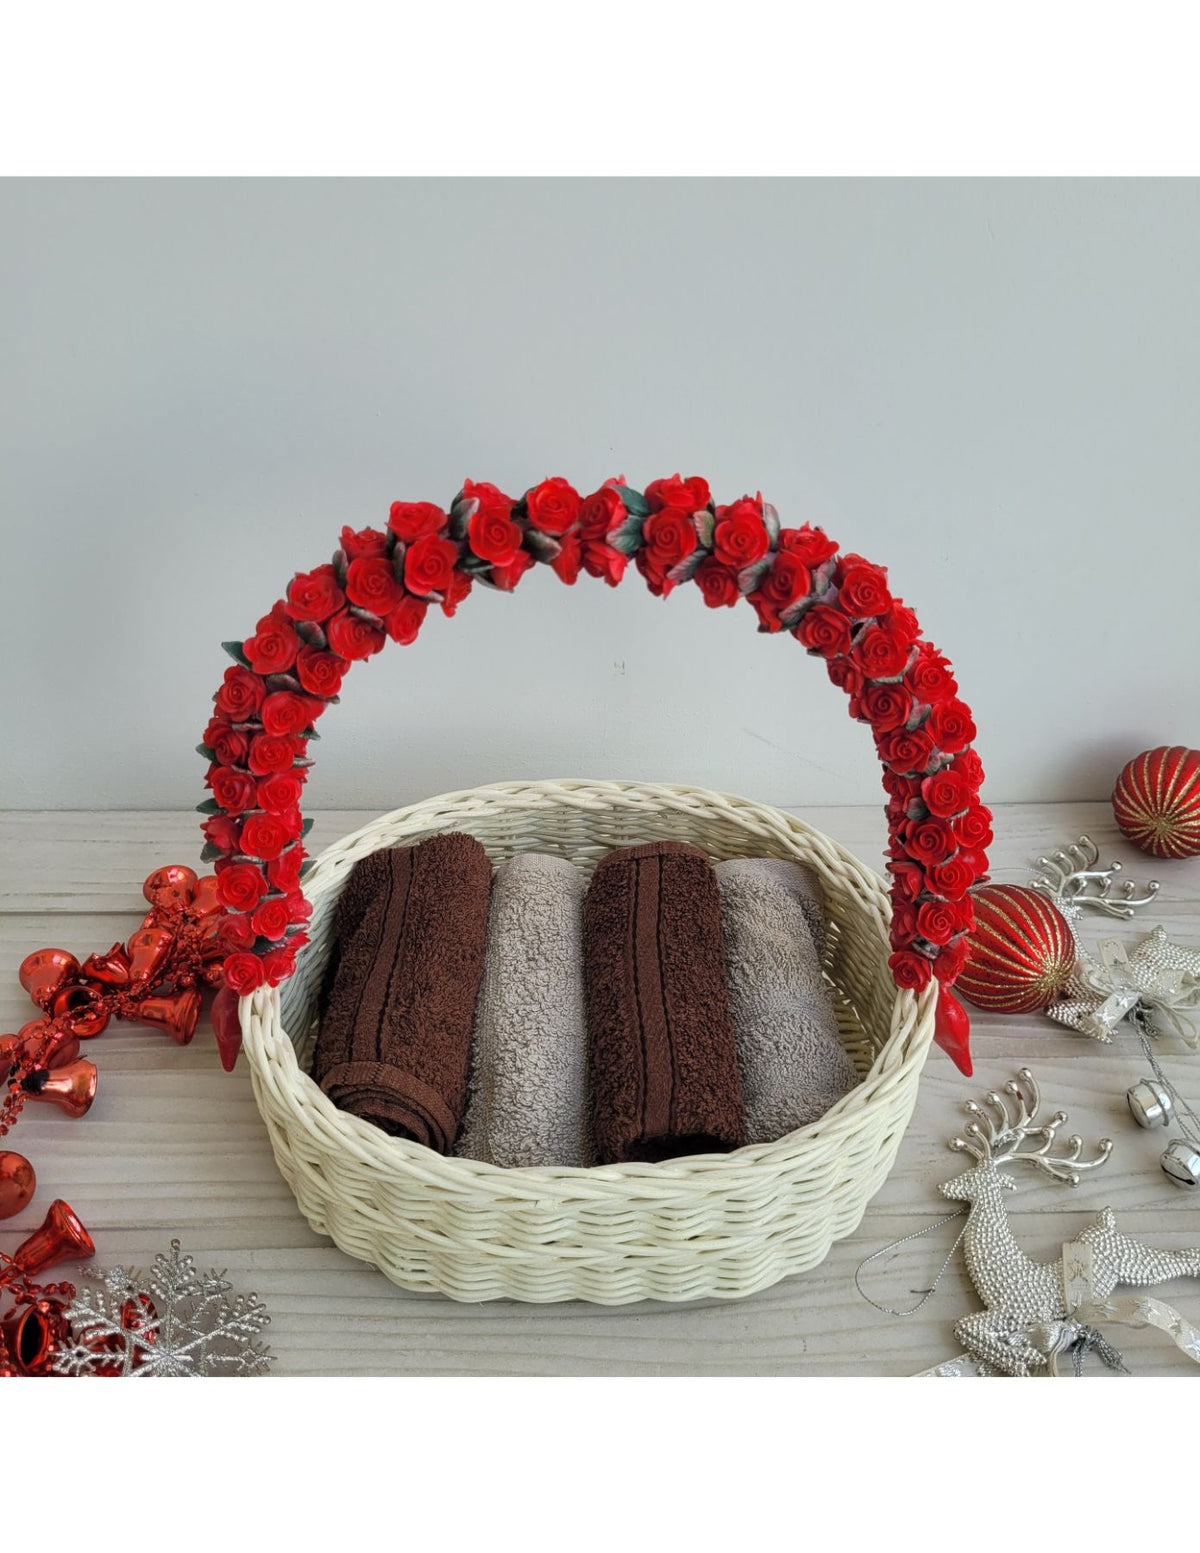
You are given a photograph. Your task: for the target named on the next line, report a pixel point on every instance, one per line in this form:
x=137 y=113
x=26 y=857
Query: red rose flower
x=951 y=961
x=601 y=560
x=945 y=793
x=404 y=622
x=717 y=583
x=285 y=712
x=456 y=589
x=787 y=581
x=371 y=584
x=929 y=677
x=974 y=828
x=926 y=841
x=824 y=630
x=886 y=706
x=909 y=877
x=264 y=836
x=273 y=647
x=270 y=920
x=600 y=513
x=740 y=537
x=364 y=544
x=233 y=790
x=241 y=694
x=236 y=933
x=284 y=871
x=687 y=496
x=243 y=973
x=299 y=909
x=227 y=743
x=494 y=537
x=863 y=590
x=320 y=672
x=881 y=652
x=280 y=791
x=903 y=620
x=950 y=726
x=553 y=507
x=971 y=767
x=222 y=831
x=314 y=595
x=953 y=878
x=937 y=921
x=810 y=545
x=412 y=520
x=240 y=886
x=669 y=537
x=906 y=749
x=845 y=674
x=568 y=560
x=429 y=564
x=351 y=636
x=909 y=970
x=767 y=612
x=507 y=575
x=279 y=964
x=272 y=752
x=904 y=924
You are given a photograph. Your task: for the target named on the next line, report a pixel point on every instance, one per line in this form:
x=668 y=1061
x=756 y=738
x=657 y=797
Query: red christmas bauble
x=1157 y=801
x=1019 y=953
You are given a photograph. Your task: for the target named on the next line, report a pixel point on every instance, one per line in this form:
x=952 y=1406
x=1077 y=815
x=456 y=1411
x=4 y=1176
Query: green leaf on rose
x=211 y=853
x=750 y=576
x=209 y=806
x=234 y=649
x=203 y=749
x=685 y=570
x=542 y=547
x=771 y=519
x=635 y=503
x=705 y=523
x=627 y=537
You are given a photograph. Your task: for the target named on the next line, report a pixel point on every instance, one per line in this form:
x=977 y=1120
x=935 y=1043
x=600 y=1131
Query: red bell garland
x=381 y=583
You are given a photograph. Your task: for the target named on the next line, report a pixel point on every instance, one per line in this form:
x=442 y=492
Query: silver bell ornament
x=1150 y=1103
x=1181 y=1162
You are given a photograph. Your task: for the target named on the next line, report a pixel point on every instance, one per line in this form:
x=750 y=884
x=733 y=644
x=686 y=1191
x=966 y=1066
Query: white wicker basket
x=721 y=1225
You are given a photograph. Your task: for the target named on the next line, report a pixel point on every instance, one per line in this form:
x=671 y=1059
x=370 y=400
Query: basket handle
x=381 y=583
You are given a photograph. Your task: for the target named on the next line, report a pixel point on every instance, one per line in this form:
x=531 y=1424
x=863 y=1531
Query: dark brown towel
x=398 y=1006
x=664 y=1058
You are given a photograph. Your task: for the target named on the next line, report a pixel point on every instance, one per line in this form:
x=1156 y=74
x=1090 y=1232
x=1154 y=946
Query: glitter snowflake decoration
x=174 y=1322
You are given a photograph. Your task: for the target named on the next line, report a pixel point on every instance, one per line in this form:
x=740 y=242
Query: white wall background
x=991 y=387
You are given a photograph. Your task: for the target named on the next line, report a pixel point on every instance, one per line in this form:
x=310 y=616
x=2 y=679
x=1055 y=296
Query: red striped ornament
x=1020 y=951
x=1157 y=801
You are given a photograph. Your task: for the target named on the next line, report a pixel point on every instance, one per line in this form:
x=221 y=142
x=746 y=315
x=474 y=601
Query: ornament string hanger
x=1072 y=880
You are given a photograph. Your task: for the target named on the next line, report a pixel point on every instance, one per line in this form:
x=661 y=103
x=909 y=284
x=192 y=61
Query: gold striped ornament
x=1157 y=801
x=1020 y=951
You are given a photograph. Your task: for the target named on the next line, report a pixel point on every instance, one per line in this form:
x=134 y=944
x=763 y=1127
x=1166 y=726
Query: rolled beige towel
x=792 y=1061
x=528 y=1102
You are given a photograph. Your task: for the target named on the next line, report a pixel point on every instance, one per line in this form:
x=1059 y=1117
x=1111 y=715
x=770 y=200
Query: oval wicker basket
x=722 y=1225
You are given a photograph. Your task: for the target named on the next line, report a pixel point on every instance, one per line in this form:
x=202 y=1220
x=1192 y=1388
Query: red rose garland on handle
x=381 y=583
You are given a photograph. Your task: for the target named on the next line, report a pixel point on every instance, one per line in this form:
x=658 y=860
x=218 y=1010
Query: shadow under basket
x=711 y=1225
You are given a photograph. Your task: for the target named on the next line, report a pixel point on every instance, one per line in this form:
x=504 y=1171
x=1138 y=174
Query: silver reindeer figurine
x=1022 y=1295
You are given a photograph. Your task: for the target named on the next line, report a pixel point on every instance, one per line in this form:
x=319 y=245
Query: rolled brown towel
x=398 y=1007
x=664 y=1057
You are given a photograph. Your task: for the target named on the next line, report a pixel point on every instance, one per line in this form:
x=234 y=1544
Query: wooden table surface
x=174 y=1147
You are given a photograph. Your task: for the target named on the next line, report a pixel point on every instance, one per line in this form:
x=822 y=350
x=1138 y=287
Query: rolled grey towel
x=528 y=1102
x=792 y=1061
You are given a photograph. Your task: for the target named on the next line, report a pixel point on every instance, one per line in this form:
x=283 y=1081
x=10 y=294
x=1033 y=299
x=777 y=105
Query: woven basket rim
x=906 y=1046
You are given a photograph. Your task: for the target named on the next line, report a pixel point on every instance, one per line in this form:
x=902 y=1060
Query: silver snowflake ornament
x=175 y=1322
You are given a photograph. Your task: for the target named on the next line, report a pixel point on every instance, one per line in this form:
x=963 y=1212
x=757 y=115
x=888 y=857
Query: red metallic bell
x=83 y=1009
x=111 y=969
x=149 y=950
x=49 y=1045
x=18 y=1182
x=72 y=1087
x=170 y=888
x=30 y=1338
x=61 y=1235
x=204 y=902
x=177 y=1014
x=45 y=972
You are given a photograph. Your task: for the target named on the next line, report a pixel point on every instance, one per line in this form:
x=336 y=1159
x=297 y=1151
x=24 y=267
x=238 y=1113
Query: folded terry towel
x=399 y=996
x=664 y=1060
x=792 y=1061
x=528 y=1100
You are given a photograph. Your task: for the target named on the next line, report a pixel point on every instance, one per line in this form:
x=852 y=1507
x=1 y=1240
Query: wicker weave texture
x=718 y=1225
